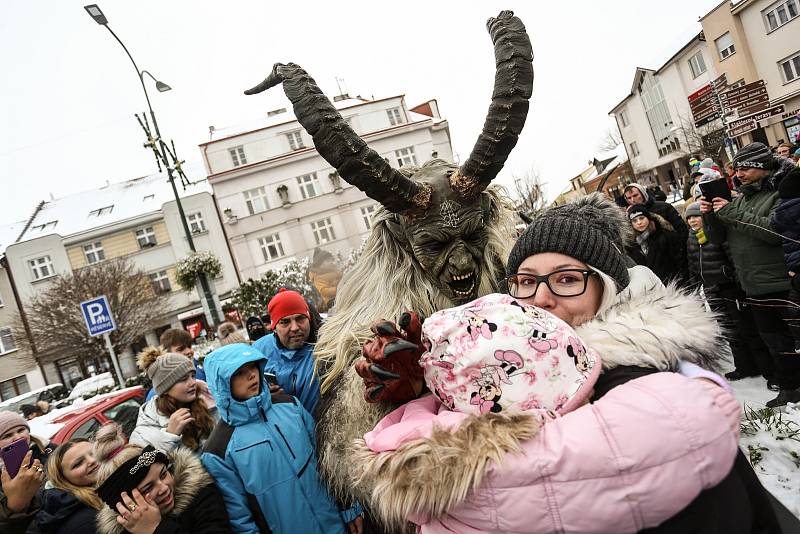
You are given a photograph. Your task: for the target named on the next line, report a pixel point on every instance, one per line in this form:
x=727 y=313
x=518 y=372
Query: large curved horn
x=513 y=85
x=340 y=146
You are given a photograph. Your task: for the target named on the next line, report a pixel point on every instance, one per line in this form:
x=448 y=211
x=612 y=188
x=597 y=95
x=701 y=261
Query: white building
x=137 y=219
x=280 y=199
x=655 y=119
x=19 y=372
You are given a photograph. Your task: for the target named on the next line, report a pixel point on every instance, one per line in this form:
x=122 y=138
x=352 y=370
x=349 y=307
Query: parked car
x=92 y=384
x=48 y=393
x=83 y=418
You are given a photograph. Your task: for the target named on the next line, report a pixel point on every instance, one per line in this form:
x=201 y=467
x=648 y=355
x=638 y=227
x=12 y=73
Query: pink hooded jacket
x=628 y=461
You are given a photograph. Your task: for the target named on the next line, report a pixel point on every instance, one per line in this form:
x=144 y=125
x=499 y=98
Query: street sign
x=700 y=92
x=97 y=315
x=720 y=83
x=705 y=120
x=743 y=97
x=748 y=126
x=776 y=110
x=99 y=321
x=732 y=93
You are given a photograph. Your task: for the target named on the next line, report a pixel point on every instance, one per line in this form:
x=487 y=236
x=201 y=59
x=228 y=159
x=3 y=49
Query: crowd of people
x=586 y=384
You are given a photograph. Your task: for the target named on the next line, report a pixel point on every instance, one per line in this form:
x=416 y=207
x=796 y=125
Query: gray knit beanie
x=692 y=210
x=167 y=370
x=754 y=156
x=592 y=229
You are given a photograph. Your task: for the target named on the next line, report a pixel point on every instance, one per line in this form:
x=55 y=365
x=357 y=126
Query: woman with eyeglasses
x=656 y=448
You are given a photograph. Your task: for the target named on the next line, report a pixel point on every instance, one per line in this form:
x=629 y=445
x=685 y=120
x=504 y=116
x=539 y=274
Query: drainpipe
x=24 y=317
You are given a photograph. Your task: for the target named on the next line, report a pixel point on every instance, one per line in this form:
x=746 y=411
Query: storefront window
x=792 y=129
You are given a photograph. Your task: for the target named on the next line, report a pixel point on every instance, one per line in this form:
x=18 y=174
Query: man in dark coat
x=757 y=253
x=786 y=221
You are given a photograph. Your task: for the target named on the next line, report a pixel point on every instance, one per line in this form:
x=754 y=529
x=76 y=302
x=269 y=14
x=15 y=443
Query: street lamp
x=162 y=151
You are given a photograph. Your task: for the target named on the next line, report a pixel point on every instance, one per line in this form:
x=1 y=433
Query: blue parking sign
x=97 y=315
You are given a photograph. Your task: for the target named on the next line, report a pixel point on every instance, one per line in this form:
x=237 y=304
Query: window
x=86 y=430
x=623 y=118
x=15 y=386
x=309 y=186
x=160 y=282
x=295 y=140
x=725 y=45
x=323 y=231
x=146 y=237
x=791 y=68
x=405 y=156
x=634 y=149
x=395 y=117
x=125 y=414
x=148 y=197
x=237 y=155
x=697 y=64
x=366 y=214
x=658 y=116
x=41 y=267
x=779 y=14
x=101 y=211
x=256 y=200
x=94 y=252
x=46 y=226
x=271 y=247
x=196 y=224
x=7 y=343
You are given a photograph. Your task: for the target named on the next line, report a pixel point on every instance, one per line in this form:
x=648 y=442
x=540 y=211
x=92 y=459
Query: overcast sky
x=69 y=92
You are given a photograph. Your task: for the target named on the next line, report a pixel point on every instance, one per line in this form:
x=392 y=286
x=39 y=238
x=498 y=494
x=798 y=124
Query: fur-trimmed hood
x=190 y=477
x=648 y=325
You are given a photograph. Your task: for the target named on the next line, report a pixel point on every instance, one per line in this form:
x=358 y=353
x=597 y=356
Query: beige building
x=760 y=40
x=137 y=219
x=19 y=372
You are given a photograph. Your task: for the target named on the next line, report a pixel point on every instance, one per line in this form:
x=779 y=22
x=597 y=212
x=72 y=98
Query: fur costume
x=440 y=239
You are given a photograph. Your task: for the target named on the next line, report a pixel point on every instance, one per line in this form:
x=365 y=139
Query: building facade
x=280 y=200
x=655 y=120
x=760 y=40
x=137 y=219
x=19 y=372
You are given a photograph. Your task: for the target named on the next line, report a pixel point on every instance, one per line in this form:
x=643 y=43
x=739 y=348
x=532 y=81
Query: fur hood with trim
x=189 y=478
x=648 y=325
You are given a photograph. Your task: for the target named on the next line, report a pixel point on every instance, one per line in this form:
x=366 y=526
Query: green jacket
x=757 y=252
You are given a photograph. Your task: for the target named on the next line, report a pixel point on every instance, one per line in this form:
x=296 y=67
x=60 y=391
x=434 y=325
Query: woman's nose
x=543 y=298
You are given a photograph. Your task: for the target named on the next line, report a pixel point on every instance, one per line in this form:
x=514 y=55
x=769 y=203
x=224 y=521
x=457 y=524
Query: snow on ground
x=774 y=444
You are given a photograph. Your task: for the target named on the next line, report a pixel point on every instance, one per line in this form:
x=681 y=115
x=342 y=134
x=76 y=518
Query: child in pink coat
x=496 y=357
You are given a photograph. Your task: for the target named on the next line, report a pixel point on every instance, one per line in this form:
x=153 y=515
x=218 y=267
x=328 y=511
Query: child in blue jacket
x=262 y=453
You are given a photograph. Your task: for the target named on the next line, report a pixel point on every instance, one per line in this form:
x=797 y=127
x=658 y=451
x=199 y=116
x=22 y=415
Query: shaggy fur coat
x=198 y=509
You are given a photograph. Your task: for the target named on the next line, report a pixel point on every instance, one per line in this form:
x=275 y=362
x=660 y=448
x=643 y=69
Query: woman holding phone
x=22 y=474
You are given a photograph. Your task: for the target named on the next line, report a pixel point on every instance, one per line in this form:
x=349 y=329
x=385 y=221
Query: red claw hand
x=390 y=364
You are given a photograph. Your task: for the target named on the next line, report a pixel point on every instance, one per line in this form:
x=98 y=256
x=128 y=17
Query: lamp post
x=161 y=152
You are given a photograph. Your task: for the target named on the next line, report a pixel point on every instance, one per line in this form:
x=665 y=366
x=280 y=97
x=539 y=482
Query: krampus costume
x=439 y=241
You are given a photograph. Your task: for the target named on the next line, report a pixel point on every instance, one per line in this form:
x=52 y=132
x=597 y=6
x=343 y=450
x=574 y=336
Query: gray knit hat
x=167 y=370
x=692 y=210
x=754 y=156
x=592 y=229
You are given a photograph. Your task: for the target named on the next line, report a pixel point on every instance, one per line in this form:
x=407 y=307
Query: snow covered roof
x=111 y=204
x=9 y=234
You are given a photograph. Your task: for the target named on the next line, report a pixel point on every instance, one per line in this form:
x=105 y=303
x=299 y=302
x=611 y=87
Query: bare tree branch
x=530 y=191
x=611 y=140
x=55 y=318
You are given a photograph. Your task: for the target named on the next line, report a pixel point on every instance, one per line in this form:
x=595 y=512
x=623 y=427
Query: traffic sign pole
x=114 y=360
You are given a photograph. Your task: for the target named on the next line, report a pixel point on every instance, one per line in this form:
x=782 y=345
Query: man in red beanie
x=289 y=348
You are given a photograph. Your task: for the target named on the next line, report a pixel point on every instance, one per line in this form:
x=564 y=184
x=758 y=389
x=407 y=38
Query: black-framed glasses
x=562 y=283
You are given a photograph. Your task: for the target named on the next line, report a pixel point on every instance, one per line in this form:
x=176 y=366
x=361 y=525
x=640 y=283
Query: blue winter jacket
x=294 y=370
x=262 y=455
x=786 y=221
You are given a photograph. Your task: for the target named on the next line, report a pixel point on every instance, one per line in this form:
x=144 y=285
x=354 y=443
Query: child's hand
x=178 y=421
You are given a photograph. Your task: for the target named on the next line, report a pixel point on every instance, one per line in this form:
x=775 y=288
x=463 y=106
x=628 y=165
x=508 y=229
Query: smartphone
x=13 y=455
x=272 y=380
x=715 y=189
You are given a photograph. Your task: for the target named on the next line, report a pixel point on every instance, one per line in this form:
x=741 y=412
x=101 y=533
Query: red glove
x=390 y=367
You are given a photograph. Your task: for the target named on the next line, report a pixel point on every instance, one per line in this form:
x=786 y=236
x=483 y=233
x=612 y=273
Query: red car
x=82 y=421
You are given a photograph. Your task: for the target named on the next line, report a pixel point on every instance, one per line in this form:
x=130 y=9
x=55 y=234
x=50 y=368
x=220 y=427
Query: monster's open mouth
x=462 y=284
